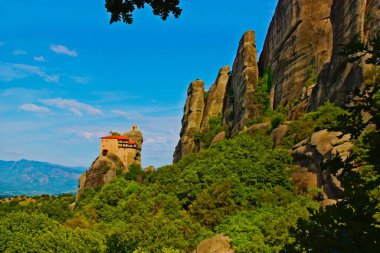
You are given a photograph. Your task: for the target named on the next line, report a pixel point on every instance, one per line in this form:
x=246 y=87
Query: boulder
x=149 y=170
x=279 y=133
x=323 y=140
x=311 y=153
x=218 y=138
x=216 y=244
x=257 y=127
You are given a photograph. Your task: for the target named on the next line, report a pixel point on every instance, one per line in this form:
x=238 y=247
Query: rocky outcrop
x=310 y=153
x=240 y=102
x=192 y=119
x=136 y=135
x=298 y=45
x=102 y=171
x=351 y=20
x=216 y=244
x=134 y=155
x=117 y=153
x=215 y=97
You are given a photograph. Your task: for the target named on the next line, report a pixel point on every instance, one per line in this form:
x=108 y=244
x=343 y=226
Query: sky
x=68 y=77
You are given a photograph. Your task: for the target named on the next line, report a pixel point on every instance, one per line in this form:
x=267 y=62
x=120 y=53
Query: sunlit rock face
x=215 y=97
x=240 y=103
x=191 y=120
x=101 y=171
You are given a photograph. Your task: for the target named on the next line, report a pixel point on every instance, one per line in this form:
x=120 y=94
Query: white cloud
x=84 y=132
x=80 y=79
x=15 y=152
x=72 y=105
x=88 y=135
x=39 y=58
x=34 y=108
x=10 y=71
x=127 y=115
x=76 y=112
x=19 y=52
x=60 y=49
x=156 y=139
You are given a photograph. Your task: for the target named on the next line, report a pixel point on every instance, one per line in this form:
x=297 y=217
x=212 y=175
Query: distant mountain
x=34 y=178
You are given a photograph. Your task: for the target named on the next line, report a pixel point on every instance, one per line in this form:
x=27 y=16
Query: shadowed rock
x=298 y=45
x=351 y=20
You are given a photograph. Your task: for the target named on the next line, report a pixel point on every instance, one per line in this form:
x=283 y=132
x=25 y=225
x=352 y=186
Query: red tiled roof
x=119 y=137
x=116 y=137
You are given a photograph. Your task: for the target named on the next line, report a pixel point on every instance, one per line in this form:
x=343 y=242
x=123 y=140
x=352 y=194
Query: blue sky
x=67 y=77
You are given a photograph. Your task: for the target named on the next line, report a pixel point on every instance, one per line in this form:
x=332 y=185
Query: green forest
x=240 y=187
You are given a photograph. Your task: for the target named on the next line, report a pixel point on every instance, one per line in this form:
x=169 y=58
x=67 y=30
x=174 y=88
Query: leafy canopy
x=121 y=10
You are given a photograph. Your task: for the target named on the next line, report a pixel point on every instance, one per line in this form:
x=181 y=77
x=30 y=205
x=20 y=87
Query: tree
x=121 y=10
x=353 y=224
x=356 y=50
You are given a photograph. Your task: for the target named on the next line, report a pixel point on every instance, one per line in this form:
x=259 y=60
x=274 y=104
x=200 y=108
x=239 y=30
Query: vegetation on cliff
x=174 y=208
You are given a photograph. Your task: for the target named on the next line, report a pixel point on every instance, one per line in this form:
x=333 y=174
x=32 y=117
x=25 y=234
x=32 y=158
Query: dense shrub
x=22 y=232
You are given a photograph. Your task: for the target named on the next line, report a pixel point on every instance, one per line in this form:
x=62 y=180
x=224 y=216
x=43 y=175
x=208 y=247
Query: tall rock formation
x=117 y=152
x=298 y=45
x=302 y=52
x=240 y=103
x=215 y=97
x=351 y=20
x=198 y=111
x=192 y=119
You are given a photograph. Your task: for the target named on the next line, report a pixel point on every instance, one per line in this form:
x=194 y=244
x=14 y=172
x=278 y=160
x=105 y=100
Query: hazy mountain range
x=34 y=178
